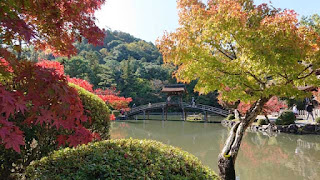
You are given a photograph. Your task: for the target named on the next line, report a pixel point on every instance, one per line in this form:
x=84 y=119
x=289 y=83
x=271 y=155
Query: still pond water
x=261 y=157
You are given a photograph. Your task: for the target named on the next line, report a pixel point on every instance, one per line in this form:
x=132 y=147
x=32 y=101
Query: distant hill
x=131 y=65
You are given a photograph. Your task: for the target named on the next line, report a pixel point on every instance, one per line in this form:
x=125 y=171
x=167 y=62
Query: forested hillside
x=131 y=65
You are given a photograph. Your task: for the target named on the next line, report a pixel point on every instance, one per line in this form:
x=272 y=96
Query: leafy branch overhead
x=49 y=24
x=243 y=50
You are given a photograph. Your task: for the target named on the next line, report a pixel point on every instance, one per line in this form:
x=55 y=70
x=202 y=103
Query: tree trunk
x=228 y=155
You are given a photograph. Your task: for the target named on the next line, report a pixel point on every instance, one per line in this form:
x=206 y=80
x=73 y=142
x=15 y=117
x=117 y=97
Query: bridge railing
x=207 y=108
x=185 y=105
x=145 y=107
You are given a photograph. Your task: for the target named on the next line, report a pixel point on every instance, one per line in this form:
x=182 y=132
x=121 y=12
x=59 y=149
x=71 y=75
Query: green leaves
x=120 y=159
x=244 y=51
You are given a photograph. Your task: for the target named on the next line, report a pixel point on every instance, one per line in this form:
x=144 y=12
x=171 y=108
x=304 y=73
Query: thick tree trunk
x=228 y=155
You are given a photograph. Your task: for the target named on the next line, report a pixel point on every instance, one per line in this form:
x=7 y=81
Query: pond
x=263 y=157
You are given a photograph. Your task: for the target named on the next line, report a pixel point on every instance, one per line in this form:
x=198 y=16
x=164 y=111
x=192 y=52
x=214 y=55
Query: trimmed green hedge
x=286 y=118
x=97 y=110
x=192 y=118
x=120 y=159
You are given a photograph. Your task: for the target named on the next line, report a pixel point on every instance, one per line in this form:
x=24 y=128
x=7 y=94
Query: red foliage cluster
x=42 y=96
x=115 y=101
x=111 y=96
x=273 y=105
x=50 y=24
x=82 y=83
x=59 y=69
x=112 y=117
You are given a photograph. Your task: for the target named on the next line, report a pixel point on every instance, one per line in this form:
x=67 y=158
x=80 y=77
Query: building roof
x=174 y=88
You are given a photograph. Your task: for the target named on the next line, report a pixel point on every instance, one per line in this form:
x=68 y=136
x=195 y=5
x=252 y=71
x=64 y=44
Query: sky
x=148 y=19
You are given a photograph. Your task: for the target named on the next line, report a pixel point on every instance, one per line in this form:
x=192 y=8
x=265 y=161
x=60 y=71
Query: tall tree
x=247 y=52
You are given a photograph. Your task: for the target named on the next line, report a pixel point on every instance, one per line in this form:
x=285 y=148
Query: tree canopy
x=243 y=50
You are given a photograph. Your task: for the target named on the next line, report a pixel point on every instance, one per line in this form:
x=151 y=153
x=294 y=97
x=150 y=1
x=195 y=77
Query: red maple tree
x=49 y=24
x=36 y=103
x=43 y=97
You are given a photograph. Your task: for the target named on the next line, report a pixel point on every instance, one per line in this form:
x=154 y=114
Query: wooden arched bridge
x=164 y=106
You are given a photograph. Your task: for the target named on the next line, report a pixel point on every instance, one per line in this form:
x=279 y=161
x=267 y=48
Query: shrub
x=197 y=117
x=230 y=117
x=286 y=118
x=318 y=120
x=96 y=110
x=39 y=111
x=262 y=122
x=116 y=113
x=120 y=159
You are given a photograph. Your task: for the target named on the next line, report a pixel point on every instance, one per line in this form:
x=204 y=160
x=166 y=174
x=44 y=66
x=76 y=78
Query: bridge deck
x=184 y=105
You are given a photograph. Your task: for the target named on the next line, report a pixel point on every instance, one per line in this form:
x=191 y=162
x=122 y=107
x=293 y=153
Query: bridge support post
x=166 y=113
x=148 y=114
x=162 y=113
x=144 y=115
x=206 y=116
x=183 y=118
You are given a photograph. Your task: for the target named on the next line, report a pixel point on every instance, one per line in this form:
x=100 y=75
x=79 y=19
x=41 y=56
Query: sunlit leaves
x=254 y=51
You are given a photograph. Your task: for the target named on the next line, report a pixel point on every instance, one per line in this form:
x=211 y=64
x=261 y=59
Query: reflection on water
x=283 y=156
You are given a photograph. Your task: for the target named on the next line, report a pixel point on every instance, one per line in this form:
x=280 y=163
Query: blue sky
x=148 y=19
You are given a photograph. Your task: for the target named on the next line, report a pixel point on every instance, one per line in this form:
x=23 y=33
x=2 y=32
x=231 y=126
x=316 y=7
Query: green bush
x=318 y=120
x=286 y=118
x=262 y=122
x=230 y=117
x=115 y=113
x=120 y=159
x=96 y=109
x=197 y=117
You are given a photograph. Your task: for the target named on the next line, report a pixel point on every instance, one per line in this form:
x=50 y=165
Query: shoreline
x=299 y=128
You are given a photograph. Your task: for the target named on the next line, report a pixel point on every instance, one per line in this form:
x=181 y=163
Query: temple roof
x=174 y=88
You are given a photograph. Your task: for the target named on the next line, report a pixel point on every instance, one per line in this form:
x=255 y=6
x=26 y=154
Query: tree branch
x=256 y=78
x=233 y=51
x=229 y=73
x=227 y=55
x=251 y=87
x=309 y=74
